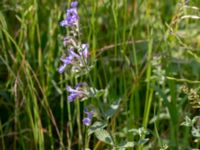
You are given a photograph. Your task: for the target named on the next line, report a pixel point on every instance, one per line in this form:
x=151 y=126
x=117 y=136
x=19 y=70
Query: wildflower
x=76 y=59
x=78 y=92
x=74 y=4
x=71 y=16
x=62 y=68
x=85 y=51
x=66 y=61
x=73 y=54
x=87 y=120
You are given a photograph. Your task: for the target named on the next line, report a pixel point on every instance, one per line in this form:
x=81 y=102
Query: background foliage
x=147 y=56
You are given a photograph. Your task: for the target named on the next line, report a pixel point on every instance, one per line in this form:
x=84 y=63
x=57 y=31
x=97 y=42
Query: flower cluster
x=76 y=59
x=80 y=91
x=77 y=53
x=71 y=16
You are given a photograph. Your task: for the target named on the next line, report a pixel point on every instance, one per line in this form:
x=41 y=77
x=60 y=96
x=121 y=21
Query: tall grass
x=126 y=37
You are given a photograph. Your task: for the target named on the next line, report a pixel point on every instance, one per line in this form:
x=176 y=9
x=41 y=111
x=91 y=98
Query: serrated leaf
x=104 y=136
x=96 y=126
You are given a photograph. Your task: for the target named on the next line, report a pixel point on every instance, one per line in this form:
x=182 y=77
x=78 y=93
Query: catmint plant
x=76 y=61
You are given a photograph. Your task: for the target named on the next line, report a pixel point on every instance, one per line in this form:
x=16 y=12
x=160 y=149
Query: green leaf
x=196 y=131
x=56 y=87
x=95 y=93
x=143 y=141
x=160 y=116
x=83 y=71
x=96 y=126
x=126 y=144
x=104 y=136
x=188 y=122
x=172 y=110
x=140 y=131
x=113 y=109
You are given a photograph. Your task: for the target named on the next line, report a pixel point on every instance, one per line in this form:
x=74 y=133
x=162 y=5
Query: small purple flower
x=76 y=59
x=74 y=4
x=74 y=94
x=72 y=97
x=71 y=18
x=89 y=114
x=61 y=68
x=85 y=50
x=78 y=92
x=87 y=120
x=66 y=61
x=72 y=53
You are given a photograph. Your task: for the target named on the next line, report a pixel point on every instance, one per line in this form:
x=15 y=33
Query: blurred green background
x=146 y=50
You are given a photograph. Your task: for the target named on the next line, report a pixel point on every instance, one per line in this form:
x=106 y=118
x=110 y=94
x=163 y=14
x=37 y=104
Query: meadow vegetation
x=146 y=56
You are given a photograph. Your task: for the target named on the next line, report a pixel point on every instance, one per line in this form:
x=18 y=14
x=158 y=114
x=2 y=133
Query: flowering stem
x=79 y=124
x=70 y=124
x=80 y=139
x=87 y=138
x=86 y=141
x=61 y=125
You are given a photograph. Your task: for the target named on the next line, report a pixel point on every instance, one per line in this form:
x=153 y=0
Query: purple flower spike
x=74 y=4
x=71 y=18
x=86 y=121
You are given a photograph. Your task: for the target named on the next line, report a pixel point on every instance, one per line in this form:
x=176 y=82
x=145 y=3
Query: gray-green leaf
x=104 y=136
x=96 y=126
